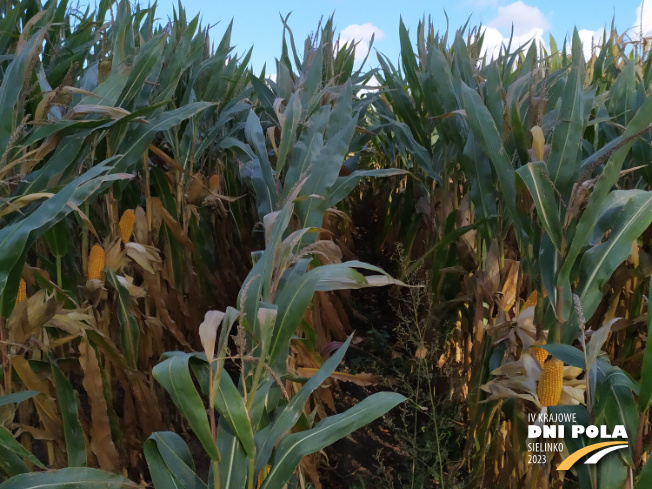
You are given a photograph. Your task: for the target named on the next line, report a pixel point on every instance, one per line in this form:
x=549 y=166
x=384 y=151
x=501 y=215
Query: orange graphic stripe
x=574 y=457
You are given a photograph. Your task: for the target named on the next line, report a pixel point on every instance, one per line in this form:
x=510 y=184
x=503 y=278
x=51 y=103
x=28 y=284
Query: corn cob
x=126 y=225
x=540 y=354
x=262 y=475
x=531 y=300
x=96 y=260
x=214 y=183
x=551 y=382
x=22 y=292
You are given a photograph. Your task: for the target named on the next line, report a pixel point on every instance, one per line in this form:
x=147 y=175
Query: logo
x=603 y=449
x=560 y=426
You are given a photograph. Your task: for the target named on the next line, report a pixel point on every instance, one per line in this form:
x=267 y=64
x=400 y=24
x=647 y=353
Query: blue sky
x=257 y=22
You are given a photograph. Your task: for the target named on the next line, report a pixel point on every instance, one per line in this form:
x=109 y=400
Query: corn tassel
x=96 y=261
x=22 y=292
x=126 y=225
x=551 y=382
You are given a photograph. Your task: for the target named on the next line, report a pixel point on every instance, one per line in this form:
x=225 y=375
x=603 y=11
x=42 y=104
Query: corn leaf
x=230 y=404
x=536 y=178
x=170 y=449
x=293 y=447
x=267 y=438
x=567 y=136
x=72 y=429
x=70 y=478
x=599 y=263
x=173 y=373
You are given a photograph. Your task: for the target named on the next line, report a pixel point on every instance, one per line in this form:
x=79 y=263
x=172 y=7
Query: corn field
x=217 y=278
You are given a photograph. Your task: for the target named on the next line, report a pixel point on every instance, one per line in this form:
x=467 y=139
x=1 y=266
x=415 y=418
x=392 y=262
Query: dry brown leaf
x=173 y=225
x=538 y=142
x=45 y=406
x=146 y=256
x=141 y=232
x=116 y=255
x=29 y=317
x=101 y=442
x=361 y=379
x=510 y=281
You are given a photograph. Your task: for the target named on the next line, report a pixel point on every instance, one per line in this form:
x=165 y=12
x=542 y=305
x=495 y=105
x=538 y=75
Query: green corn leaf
x=306 y=149
x=615 y=405
x=486 y=133
x=288 y=131
x=13 y=81
x=645 y=477
x=646 y=370
x=13 y=453
x=622 y=95
x=72 y=429
x=17 y=397
x=230 y=404
x=173 y=374
x=16 y=238
x=146 y=60
x=233 y=464
x=293 y=447
x=567 y=136
x=343 y=186
x=123 y=35
x=129 y=328
x=567 y=354
x=409 y=63
x=599 y=263
x=177 y=461
x=266 y=191
x=601 y=189
x=293 y=410
x=579 y=413
x=483 y=194
x=312 y=81
x=162 y=478
x=536 y=178
x=70 y=478
x=612 y=472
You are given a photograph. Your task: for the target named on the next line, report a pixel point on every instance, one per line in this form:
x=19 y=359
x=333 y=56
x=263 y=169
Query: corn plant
x=251 y=440
x=94 y=108
x=502 y=146
x=581 y=242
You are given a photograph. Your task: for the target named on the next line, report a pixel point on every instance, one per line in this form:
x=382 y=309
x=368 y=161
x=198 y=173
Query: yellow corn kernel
x=540 y=354
x=22 y=292
x=262 y=475
x=531 y=300
x=96 y=260
x=214 y=183
x=126 y=225
x=551 y=382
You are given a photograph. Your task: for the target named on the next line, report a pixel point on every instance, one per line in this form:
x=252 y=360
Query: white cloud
x=643 y=20
x=590 y=39
x=493 y=41
x=524 y=18
x=529 y=24
x=362 y=35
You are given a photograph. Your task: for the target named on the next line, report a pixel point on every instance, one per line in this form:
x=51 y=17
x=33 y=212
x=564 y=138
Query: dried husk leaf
x=208 y=331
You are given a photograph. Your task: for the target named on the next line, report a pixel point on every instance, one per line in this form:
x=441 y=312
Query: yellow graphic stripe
x=574 y=457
